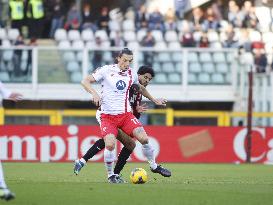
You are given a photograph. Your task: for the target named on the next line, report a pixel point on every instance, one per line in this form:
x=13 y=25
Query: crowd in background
x=234 y=22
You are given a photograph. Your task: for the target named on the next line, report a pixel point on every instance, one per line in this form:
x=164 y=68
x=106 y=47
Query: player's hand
x=161 y=102
x=15 y=97
x=141 y=108
x=96 y=100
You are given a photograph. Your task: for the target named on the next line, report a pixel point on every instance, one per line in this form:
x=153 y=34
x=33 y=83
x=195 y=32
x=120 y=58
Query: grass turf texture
x=55 y=183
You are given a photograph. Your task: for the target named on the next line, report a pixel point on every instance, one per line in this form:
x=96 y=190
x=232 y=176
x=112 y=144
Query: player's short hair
x=126 y=51
x=146 y=69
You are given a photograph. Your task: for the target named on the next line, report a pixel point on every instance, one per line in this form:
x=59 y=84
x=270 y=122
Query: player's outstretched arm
x=145 y=93
x=141 y=108
x=86 y=83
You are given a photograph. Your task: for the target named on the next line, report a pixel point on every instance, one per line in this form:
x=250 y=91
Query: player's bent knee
x=110 y=142
x=140 y=134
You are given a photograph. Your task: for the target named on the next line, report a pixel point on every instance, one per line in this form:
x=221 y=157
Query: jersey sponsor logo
x=121 y=85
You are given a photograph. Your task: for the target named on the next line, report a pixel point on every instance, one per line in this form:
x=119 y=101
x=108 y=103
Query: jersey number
x=135 y=121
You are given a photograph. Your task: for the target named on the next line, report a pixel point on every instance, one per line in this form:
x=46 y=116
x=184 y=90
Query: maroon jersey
x=135 y=98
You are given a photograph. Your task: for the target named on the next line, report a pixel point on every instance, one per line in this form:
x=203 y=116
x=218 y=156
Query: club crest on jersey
x=121 y=85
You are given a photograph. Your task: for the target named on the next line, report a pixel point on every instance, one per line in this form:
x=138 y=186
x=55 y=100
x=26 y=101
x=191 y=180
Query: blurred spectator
x=48 y=10
x=260 y=60
x=244 y=41
x=32 y=43
x=187 y=39
x=210 y=22
x=257 y=45
x=197 y=18
x=35 y=14
x=156 y=21
x=141 y=18
x=218 y=9
x=231 y=41
x=18 y=55
x=137 y=4
x=74 y=19
x=180 y=7
x=97 y=58
x=88 y=19
x=58 y=15
x=204 y=41
x=148 y=41
x=117 y=41
x=4 y=8
x=249 y=18
x=104 y=19
x=233 y=14
x=170 y=20
x=263 y=13
x=16 y=13
x=2 y=21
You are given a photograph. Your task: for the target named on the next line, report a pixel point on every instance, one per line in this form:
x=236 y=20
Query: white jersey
x=115 y=88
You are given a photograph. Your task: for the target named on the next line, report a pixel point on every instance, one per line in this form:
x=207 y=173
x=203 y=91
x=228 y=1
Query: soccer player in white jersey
x=5 y=193
x=145 y=75
x=116 y=81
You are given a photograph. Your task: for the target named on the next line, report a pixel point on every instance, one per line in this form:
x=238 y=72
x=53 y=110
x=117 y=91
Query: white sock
x=83 y=160
x=109 y=161
x=148 y=152
x=2 y=180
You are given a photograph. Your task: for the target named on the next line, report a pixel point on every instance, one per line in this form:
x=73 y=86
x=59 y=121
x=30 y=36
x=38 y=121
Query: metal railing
x=187 y=71
x=55 y=117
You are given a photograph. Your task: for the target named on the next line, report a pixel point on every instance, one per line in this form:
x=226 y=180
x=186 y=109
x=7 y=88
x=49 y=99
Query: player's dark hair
x=146 y=69
x=126 y=51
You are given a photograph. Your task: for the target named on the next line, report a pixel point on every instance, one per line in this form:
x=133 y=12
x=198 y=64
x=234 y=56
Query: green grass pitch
x=216 y=184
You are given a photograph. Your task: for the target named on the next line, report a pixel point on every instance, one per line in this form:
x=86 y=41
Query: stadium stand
x=216 y=65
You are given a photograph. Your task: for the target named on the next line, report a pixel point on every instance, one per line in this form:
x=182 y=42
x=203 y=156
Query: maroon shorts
x=127 y=122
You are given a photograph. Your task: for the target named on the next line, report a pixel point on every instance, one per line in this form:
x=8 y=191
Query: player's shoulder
x=109 y=66
x=104 y=68
x=134 y=89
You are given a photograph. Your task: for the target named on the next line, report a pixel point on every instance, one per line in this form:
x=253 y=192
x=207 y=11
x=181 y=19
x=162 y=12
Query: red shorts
x=127 y=122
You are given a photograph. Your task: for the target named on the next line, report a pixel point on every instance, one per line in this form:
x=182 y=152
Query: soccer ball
x=138 y=176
